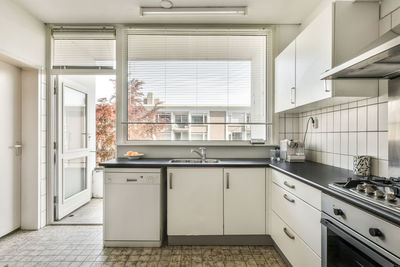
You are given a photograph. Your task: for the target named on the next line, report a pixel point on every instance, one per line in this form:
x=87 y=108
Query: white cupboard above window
x=337 y=34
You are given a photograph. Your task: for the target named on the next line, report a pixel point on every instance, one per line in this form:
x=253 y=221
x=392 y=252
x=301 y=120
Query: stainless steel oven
x=352 y=237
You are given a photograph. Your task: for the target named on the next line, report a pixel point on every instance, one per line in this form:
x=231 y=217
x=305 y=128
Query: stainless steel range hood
x=381 y=59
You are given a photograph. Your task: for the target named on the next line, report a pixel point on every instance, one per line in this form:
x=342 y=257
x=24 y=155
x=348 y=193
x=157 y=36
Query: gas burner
x=379 y=190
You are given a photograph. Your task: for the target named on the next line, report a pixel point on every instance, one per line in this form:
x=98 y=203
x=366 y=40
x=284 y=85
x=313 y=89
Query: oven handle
x=356 y=243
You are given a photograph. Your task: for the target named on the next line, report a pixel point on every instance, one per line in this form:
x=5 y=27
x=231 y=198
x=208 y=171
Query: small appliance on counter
x=292 y=151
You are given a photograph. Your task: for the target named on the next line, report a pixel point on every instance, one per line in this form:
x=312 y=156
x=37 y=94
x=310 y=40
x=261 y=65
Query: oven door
x=341 y=246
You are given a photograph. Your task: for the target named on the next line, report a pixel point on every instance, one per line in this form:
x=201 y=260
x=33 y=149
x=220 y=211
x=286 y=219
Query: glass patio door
x=73 y=182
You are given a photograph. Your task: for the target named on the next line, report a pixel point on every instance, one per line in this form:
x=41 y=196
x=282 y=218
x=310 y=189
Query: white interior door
x=74 y=162
x=10 y=138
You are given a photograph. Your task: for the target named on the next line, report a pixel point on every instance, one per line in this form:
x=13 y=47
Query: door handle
x=17 y=148
x=288 y=185
x=288 y=199
x=170 y=181
x=227 y=181
x=292 y=95
x=287 y=233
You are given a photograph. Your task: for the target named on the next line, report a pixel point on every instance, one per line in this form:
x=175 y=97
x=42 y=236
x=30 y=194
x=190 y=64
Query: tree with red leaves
x=137 y=112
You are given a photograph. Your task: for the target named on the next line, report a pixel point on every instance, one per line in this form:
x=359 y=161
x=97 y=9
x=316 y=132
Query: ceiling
x=127 y=11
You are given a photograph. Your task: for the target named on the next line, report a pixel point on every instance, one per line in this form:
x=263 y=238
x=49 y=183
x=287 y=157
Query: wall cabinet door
x=313 y=57
x=195 y=201
x=285 y=79
x=244 y=201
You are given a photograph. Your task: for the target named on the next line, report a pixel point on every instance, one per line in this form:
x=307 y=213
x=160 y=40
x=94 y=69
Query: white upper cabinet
x=244 y=201
x=314 y=56
x=336 y=35
x=285 y=79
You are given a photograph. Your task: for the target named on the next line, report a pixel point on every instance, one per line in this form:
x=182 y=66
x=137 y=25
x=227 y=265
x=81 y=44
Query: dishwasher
x=133 y=213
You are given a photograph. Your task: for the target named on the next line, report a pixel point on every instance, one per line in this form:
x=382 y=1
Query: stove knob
x=370 y=189
x=379 y=194
x=360 y=187
x=338 y=212
x=391 y=197
x=375 y=232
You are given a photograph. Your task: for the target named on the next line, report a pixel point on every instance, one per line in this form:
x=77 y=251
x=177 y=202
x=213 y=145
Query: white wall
x=22 y=36
x=30 y=161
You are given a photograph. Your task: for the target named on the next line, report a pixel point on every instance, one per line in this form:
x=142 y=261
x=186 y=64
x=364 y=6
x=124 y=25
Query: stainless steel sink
x=194 y=161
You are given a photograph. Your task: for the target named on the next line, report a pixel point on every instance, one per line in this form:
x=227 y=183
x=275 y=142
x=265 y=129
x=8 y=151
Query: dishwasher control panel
x=132 y=177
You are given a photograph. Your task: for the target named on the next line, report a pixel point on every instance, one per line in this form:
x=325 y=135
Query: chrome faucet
x=201 y=152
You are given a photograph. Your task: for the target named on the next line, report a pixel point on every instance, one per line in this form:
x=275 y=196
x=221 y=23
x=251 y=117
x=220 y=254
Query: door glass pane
x=74 y=121
x=75 y=176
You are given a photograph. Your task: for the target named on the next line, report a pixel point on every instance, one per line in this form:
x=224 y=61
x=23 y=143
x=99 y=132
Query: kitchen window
x=214 y=86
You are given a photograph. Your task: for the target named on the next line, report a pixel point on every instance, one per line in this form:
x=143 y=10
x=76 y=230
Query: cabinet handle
x=292 y=95
x=227 y=180
x=170 y=181
x=131 y=180
x=326 y=87
x=287 y=233
x=288 y=185
x=288 y=199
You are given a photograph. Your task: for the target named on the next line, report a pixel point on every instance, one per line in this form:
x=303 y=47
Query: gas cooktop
x=378 y=190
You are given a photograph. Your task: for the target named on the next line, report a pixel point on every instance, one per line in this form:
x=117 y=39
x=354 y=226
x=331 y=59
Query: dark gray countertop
x=314 y=174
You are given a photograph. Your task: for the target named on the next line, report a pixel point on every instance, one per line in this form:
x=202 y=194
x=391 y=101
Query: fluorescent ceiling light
x=154 y=11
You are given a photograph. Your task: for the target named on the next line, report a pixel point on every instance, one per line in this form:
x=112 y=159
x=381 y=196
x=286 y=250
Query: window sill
x=195 y=143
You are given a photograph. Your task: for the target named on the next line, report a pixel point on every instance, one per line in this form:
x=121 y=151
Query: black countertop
x=314 y=174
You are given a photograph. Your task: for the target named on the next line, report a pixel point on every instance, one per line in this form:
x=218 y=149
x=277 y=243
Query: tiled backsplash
x=356 y=128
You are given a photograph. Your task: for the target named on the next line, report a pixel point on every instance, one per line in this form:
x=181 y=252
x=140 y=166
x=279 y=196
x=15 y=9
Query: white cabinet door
x=195 y=201
x=285 y=79
x=313 y=57
x=244 y=201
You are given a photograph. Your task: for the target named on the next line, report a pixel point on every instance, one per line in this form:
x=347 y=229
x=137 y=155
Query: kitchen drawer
x=305 y=192
x=351 y=217
x=300 y=216
x=295 y=250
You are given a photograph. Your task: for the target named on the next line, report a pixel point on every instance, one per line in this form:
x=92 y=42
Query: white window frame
x=122 y=79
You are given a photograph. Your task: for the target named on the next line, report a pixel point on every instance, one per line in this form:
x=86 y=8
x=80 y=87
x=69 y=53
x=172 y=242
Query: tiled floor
x=90 y=213
x=82 y=246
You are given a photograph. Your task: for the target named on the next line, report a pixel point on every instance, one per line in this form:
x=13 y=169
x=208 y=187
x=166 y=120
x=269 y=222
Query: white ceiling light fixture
x=193 y=11
x=166 y=4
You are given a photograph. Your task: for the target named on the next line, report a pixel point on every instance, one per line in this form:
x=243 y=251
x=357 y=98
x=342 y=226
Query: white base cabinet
x=195 y=201
x=244 y=201
x=216 y=201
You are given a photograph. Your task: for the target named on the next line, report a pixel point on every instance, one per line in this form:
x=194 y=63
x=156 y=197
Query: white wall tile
x=383 y=116
x=336 y=121
x=352 y=144
x=353 y=119
x=383 y=168
x=336 y=160
x=344 y=143
x=383 y=90
x=372 y=117
x=383 y=145
x=329 y=122
x=289 y=125
x=375 y=167
x=372 y=144
x=344 y=161
x=329 y=143
x=362 y=119
x=344 y=120
x=336 y=143
x=329 y=158
x=361 y=143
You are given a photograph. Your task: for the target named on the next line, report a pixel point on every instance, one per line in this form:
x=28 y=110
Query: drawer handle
x=288 y=185
x=287 y=233
x=170 y=181
x=288 y=198
x=227 y=181
x=131 y=180
x=375 y=232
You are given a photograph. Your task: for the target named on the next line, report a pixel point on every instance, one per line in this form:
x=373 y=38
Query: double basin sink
x=194 y=161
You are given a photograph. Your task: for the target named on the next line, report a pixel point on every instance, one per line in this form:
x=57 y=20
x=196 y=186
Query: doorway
x=85 y=136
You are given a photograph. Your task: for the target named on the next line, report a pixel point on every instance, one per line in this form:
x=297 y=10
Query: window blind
x=215 y=75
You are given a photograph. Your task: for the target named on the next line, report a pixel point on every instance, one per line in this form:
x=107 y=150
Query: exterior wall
x=356 y=128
